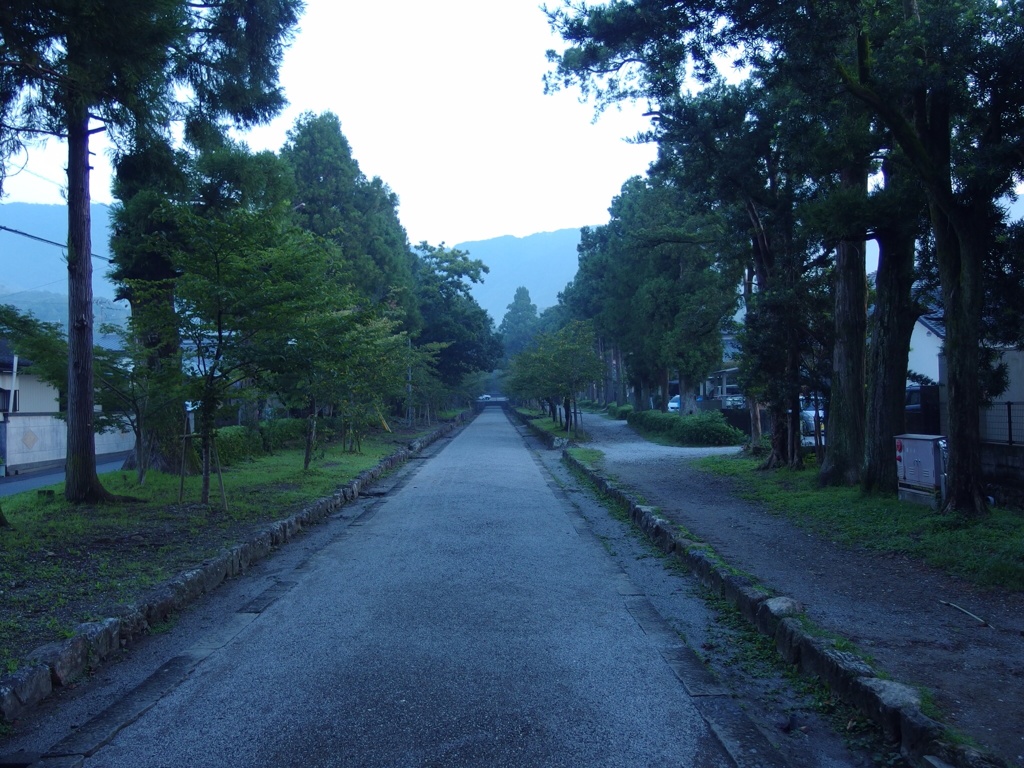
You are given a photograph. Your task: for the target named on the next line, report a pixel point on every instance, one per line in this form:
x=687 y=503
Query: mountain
x=26 y=264
x=543 y=263
x=33 y=274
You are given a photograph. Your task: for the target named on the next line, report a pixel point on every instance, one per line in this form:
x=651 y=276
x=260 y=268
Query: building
x=32 y=434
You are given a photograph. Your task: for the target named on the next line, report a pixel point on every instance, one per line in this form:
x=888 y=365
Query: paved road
x=467 y=619
x=32 y=480
x=892 y=607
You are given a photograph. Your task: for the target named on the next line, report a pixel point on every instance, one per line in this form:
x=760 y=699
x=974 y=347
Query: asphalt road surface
x=39 y=479
x=464 y=619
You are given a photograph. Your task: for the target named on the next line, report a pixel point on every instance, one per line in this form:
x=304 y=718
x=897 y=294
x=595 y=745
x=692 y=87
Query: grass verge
x=988 y=552
x=61 y=565
x=543 y=421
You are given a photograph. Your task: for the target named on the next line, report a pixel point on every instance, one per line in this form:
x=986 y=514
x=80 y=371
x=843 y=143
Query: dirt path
x=888 y=606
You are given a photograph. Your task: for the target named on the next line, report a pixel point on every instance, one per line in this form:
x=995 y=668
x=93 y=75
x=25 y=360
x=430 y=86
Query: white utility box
x=920 y=469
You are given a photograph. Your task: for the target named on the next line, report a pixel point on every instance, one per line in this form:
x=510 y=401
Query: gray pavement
x=468 y=618
x=893 y=608
x=29 y=481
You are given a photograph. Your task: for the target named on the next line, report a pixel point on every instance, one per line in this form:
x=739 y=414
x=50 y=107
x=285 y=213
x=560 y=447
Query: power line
x=50 y=242
x=23 y=169
x=30 y=290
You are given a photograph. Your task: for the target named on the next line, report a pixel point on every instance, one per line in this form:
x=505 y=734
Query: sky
x=444 y=101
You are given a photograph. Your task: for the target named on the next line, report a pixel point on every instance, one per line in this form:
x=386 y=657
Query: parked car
x=484 y=397
x=673 y=404
x=808 y=409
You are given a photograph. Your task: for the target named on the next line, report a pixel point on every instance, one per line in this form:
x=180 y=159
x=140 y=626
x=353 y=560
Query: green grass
x=591 y=457
x=546 y=423
x=61 y=565
x=989 y=551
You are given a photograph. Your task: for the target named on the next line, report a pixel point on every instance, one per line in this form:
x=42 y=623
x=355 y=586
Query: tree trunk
x=778 y=455
x=844 y=449
x=310 y=434
x=206 y=442
x=892 y=324
x=620 y=377
x=755 y=425
x=207 y=418
x=153 y=325
x=141 y=439
x=82 y=484
x=960 y=248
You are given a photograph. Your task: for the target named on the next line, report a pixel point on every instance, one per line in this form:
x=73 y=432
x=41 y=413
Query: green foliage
x=700 y=428
x=282 y=433
x=238 y=444
x=133 y=69
x=558 y=365
x=455 y=326
x=43 y=345
x=520 y=323
x=620 y=412
x=337 y=202
x=654 y=281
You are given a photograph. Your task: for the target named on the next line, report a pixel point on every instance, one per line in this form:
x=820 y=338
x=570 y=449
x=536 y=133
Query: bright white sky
x=443 y=100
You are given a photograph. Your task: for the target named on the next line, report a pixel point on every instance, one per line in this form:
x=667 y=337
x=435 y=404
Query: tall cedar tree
x=944 y=80
x=74 y=69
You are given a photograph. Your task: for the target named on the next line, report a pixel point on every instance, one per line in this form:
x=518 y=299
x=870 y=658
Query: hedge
x=701 y=428
x=281 y=433
x=238 y=444
x=620 y=412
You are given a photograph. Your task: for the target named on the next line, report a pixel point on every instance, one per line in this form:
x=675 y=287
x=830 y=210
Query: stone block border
x=552 y=441
x=56 y=664
x=895 y=707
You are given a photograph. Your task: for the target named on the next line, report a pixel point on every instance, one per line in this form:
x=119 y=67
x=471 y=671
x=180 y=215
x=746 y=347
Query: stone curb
x=895 y=707
x=553 y=442
x=59 y=663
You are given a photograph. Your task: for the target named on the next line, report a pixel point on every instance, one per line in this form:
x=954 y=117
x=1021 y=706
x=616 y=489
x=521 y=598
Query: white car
x=673 y=404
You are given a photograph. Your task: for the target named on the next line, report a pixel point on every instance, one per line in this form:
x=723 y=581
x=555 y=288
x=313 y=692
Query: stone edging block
x=59 y=663
x=553 y=442
x=895 y=707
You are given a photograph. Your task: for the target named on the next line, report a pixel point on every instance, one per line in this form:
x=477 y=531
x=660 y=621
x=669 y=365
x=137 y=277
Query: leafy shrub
x=700 y=428
x=620 y=412
x=281 y=433
x=238 y=444
x=707 y=428
x=654 y=422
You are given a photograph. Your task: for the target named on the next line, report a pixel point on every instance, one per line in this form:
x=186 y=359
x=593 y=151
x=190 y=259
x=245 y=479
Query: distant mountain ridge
x=30 y=265
x=543 y=263
x=36 y=272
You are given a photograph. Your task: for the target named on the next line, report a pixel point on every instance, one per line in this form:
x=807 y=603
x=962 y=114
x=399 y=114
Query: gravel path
x=887 y=605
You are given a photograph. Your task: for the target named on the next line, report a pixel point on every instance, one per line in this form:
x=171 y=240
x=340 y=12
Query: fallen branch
x=976 y=618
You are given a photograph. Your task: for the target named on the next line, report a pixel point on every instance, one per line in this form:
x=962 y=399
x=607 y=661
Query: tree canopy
x=833 y=96
x=72 y=69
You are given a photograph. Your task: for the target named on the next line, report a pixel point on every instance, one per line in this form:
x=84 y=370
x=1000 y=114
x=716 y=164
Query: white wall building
x=32 y=435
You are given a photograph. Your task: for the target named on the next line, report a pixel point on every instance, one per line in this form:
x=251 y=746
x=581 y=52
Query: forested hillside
x=543 y=263
x=35 y=274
